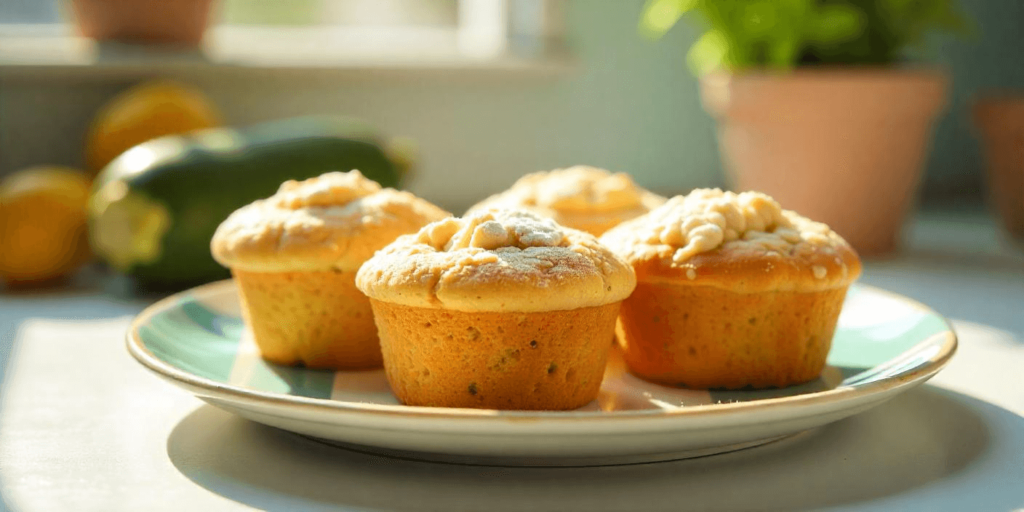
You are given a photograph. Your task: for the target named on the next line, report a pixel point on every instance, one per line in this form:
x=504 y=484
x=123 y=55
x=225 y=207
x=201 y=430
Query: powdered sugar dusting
x=336 y=220
x=581 y=197
x=328 y=189
x=580 y=188
x=497 y=260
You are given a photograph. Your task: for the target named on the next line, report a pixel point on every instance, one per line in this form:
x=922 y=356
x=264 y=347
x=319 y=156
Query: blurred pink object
x=149 y=21
x=843 y=147
x=1000 y=119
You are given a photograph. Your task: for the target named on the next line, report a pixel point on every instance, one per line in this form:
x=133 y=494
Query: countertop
x=83 y=427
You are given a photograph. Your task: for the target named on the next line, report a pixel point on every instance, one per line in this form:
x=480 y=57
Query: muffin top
x=497 y=260
x=332 y=222
x=580 y=197
x=743 y=242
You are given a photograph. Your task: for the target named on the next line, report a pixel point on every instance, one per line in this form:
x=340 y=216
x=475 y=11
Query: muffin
x=585 y=198
x=501 y=309
x=733 y=292
x=295 y=255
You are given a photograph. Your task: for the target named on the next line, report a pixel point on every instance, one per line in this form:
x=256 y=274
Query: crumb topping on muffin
x=579 y=188
x=331 y=222
x=497 y=260
x=709 y=229
x=330 y=189
x=707 y=219
x=586 y=197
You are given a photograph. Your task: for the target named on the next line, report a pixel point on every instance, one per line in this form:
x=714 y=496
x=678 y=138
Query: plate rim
x=207 y=387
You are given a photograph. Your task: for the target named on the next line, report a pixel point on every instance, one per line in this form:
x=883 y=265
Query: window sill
x=47 y=52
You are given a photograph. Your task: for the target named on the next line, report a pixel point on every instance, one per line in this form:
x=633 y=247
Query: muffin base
x=704 y=337
x=514 y=361
x=316 y=319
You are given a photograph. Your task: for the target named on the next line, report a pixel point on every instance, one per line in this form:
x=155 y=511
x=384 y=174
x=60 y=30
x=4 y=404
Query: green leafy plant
x=782 y=34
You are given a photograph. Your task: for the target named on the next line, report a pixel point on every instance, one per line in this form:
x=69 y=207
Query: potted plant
x=814 y=105
x=999 y=118
x=174 y=22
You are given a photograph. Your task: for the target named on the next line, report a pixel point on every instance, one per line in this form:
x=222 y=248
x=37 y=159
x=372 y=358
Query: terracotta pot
x=843 y=147
x=181 y=22
x=1000 y=120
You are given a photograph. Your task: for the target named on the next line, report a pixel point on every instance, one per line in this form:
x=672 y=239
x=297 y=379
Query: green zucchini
x=155 y=208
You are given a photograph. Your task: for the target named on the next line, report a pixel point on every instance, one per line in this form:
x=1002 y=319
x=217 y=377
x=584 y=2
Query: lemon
x=43 y=217
x=145 y=112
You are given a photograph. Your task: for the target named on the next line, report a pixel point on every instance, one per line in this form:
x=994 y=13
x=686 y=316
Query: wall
x=627 y=104
x=990 y=59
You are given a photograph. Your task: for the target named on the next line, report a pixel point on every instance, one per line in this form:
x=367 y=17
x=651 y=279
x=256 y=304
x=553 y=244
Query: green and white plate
x=884 y=345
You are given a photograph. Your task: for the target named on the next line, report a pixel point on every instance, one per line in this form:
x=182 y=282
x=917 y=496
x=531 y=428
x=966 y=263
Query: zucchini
x=154 y=209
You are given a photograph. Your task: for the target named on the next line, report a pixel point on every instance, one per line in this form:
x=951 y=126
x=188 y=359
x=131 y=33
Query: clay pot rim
x=819 y=72
x=921 y=89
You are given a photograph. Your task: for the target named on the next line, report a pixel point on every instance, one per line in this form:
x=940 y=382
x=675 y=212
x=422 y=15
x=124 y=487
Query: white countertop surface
x=83 y=427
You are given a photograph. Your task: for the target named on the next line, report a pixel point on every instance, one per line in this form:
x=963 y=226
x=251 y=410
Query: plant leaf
x=708 y=53
x=659 y=16
x=783 y=52
x=744 y=34
x=834 y=23
x=759 y=19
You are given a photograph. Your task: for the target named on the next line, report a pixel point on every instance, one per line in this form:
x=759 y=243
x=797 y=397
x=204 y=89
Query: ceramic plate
x=884 y=345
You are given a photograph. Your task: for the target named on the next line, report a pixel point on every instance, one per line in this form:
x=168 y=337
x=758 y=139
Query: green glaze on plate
x=875 y=329
x=884 y=344
x=194 y=337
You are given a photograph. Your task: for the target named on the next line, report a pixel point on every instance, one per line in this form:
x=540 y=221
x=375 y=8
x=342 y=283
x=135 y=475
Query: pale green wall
x=993 y=58
x=628 y=104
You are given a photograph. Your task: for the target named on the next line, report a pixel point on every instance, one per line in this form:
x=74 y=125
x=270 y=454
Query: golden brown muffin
x=295 y=255
x=581 y=197
x=732 y=291
x=501 y=309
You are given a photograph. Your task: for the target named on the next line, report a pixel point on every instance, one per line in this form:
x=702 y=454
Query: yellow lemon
x=43 y=231
x=145 y=112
